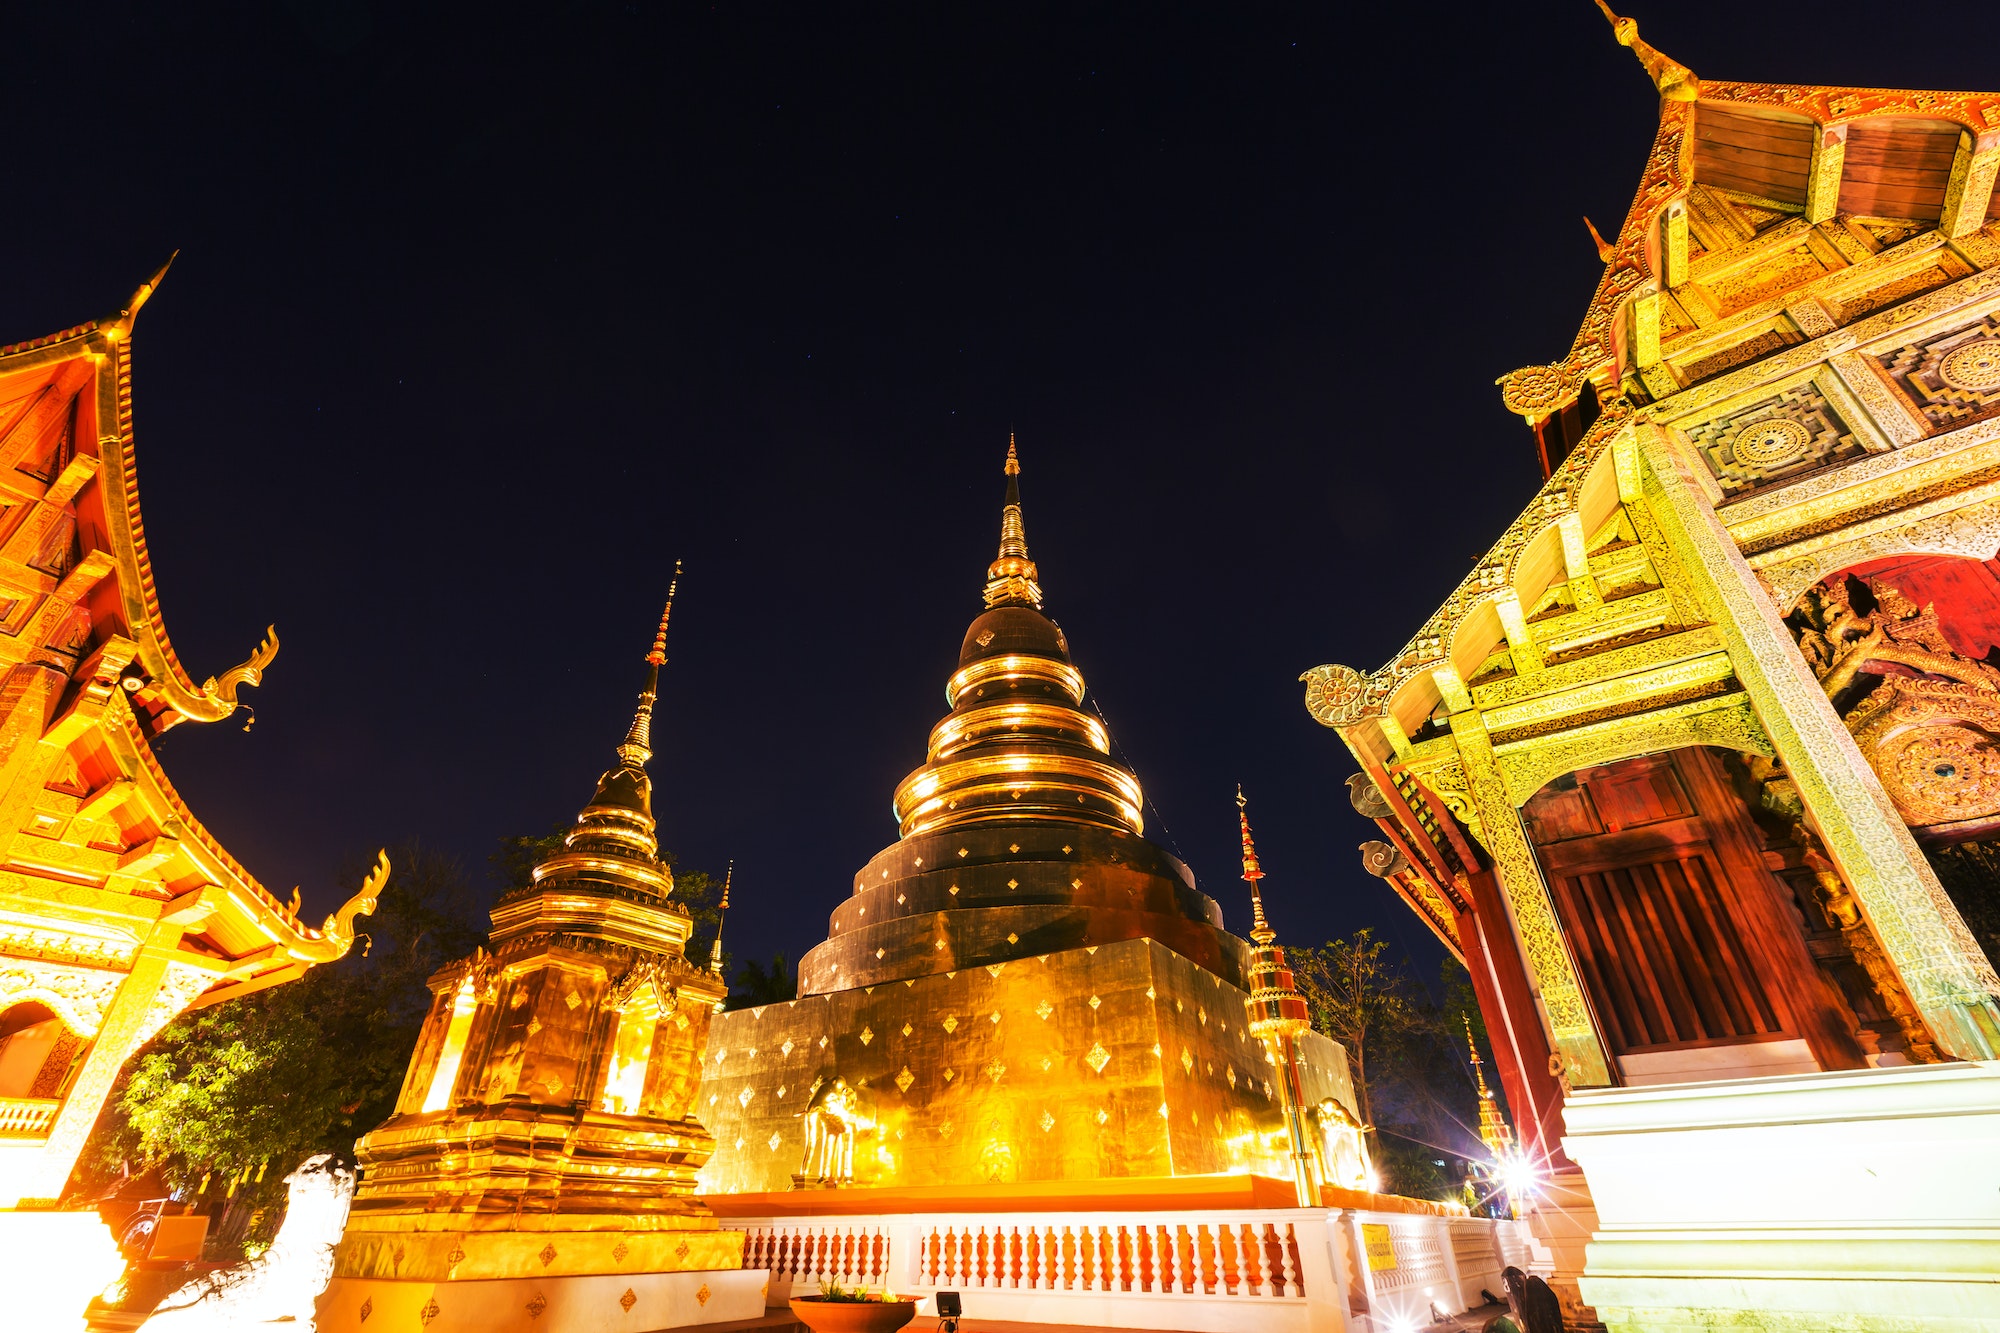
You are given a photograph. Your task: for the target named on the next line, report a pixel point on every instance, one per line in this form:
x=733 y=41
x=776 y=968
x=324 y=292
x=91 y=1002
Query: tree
x=1356 y=998
x=755 y=986
x=225 y=1092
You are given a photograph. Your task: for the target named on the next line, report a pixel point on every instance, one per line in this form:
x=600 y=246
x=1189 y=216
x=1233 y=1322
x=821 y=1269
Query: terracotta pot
x=852 y=1316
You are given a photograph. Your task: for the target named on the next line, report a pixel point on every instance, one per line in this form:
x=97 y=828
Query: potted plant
x=852 y=1310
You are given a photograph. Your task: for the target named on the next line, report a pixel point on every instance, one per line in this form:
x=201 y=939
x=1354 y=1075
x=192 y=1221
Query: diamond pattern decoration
x=681 y=1250
x=822 y=1041
x=1102 y=1115
x=743 y=1097
x=1012 y=938
x=1097 y=1058
x=1165 y=1114
x=1187 y=1060
x=536 y=1304
x=786 y=1049
x=963 y=851
x=995 y=1015
x=1232 y=1079
x=1202 y=1014
x=907 y=1029
x=367 y=1307
x=995 y=1070
x=953 y=890
x=1043 y=1009
x=456 y=1257
x=1094 y=1002
x=944 y=1130
x=1013 y=883
x=951 y=1022
x=1048 y=1122
x=1048 y=1063
x=949 y=1075
x=900 y=899
x=867 y=1034
x=880 y=952
x=628 y=1300
x=782 y=1090
x=572 y=999
x=1152 y=994
x=905 y=1079
x=775 y=1139
x=429 y=1312
x=534 y=1026
x=619 y=1251
x=940 y=943
x=701 y=1297
x=548 y=1255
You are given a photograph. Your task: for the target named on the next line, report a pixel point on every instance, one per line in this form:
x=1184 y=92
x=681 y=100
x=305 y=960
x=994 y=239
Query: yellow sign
x=1380 y=1245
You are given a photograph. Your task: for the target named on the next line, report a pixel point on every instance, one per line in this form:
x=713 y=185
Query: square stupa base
x=597 y=1303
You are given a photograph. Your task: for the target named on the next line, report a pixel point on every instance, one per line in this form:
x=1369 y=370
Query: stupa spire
x=637 y=747
x=1675 y=81
x=715 y=950
x=1260 y=929
x=1010 y=579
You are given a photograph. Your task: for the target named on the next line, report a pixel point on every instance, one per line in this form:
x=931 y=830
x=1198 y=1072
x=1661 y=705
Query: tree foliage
x=305 y=1067
x=755 y=986
x=1407 y=1053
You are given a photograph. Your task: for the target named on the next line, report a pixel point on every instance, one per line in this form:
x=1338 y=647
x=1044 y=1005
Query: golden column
x=1278 y=1015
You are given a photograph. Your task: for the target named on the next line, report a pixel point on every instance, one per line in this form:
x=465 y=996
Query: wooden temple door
x=1686 y=944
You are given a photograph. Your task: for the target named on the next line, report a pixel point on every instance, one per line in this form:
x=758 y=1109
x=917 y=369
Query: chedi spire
x=1010 y=579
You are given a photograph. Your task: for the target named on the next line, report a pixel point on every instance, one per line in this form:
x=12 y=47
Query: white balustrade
x=1288 y=1270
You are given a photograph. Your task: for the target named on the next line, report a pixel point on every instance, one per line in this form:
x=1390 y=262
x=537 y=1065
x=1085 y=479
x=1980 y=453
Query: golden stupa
x=543 y=1152
x=1021 y=988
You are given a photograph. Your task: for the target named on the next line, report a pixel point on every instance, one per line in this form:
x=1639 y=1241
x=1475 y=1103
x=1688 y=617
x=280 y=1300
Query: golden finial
x=1260 y=929
x=1605 y=250
x=1675 y=81
x=1011 y=578
x=637 y=747
x=715 y=950
x=146 y=290
x=658 y=657
x=1485 y=1093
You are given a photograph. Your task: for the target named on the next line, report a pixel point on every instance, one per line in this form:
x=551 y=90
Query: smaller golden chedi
x=542 y=1157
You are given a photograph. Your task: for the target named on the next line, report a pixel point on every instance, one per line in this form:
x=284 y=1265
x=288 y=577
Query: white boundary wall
x=1296 y=1270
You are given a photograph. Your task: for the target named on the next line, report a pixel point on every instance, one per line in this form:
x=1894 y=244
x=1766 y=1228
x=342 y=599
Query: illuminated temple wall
x=1685 y=767
x=1118 y=1061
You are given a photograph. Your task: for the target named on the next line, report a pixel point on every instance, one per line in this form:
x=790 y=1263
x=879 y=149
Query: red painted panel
x=1965 y=592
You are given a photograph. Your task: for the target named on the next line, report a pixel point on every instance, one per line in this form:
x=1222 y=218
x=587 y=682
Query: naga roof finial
x=1011 y=578
x=1675 y=81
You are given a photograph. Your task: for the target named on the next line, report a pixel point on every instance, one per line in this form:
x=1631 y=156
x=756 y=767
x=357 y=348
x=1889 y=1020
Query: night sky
x=482 y=319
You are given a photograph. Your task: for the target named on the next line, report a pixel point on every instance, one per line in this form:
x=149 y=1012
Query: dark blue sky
x=483 y=317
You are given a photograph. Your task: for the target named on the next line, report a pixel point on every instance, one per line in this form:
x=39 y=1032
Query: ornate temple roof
x=81 y=635
x=1732 y=164
x=1021 y=834
x=1769 y=219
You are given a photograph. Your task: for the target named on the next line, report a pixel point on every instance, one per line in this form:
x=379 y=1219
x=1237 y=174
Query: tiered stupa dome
x=1021 y=835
